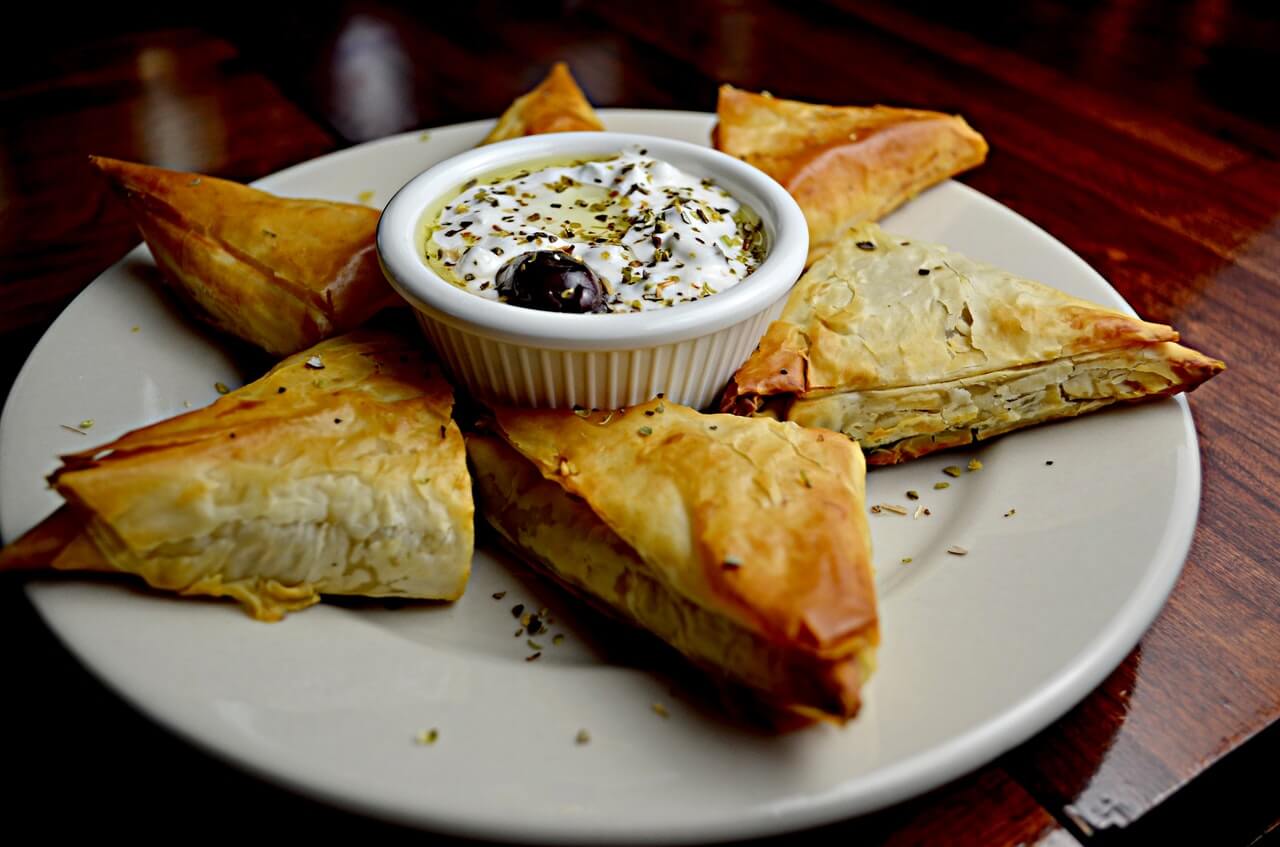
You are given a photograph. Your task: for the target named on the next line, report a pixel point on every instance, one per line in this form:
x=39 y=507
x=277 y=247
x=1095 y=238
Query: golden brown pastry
x=556 y=105
x=339 y=472
x=844 y=164
x=277 y=272
x=741 y=542
x=909 y=348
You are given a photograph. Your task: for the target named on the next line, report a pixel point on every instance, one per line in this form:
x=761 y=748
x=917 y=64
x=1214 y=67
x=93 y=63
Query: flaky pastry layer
x=567 y=540
x=844 y=165
x=280 y=273
x=557 y=104
x=757 y=525
x=895 y=424
x=909 y=347
x=339 y=472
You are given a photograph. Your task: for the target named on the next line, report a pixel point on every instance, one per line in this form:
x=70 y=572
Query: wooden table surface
x=1134 y=131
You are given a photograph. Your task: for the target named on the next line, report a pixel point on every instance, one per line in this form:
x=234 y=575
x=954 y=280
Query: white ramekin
x=518 y=356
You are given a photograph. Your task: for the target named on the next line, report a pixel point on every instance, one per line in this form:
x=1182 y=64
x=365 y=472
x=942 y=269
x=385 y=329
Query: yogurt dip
x=654 y=235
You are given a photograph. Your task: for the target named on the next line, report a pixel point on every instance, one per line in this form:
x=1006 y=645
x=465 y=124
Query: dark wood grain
x=1123 y=127
x=177 y=98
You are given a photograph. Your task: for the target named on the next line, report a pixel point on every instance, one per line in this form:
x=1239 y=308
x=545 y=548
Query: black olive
x=552 y=281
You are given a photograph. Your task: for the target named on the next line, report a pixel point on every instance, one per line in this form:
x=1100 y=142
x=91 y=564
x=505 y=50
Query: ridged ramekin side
x=690 y=372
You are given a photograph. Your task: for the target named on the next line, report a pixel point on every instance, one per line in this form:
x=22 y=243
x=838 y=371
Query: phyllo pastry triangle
x=741 y=542
x=909 y=348
x=844 y=164
x=557 y=104
x=339 y=472
x=279 y=273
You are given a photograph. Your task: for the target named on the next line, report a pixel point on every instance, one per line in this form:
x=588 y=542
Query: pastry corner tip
x=103 y=164
x=43 y=547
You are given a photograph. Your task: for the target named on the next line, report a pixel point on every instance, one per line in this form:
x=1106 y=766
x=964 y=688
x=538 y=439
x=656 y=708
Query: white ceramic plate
x=979 y=651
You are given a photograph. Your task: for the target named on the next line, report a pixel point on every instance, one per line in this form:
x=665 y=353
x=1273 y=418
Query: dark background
x=1145 y=135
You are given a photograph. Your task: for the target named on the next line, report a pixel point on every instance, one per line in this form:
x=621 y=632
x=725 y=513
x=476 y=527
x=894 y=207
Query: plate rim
x=896 y=782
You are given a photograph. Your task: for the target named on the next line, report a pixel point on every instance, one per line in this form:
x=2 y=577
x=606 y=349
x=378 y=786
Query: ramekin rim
x=424 y=289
